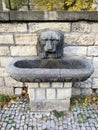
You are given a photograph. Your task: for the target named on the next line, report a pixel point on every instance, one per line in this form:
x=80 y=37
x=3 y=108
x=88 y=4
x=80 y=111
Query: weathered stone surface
x=11 y=82
x=6 y=90
x=22 y=39
x=57 y=85
x=31 y=93
x=63 y=93
x=18 y=91
x=32 y=85
x=76 y=91
x=26 y=15
x=23 y=50
x=13 y=27
x=5 y=60
x=75 y=39
x=6 y=39
x=73 y=16
x=50 y=15
x=96 y=40
x=86 y=91
x=3 y=72
x=75 y=51
x=95 y=27
x=95 y=62
x=1 y=82
x=44 y=85
x=85 y=84
x=4 y=51
x=40 y=94
x=81 y=27
x=68 y=84
x=50 y=105
x=4 y=16
x=51 y=93
x=65 y=27
x=50 y=44
x=95 y=83
x=28 y=69
x=92 y=51
x=95 y=74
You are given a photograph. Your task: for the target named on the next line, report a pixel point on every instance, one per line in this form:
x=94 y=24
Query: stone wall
x=19 y=39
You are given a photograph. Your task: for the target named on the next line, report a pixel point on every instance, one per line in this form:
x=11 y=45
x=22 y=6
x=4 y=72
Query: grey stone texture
x=48 y=16
x=19 y=39
x=18 y=116
x=51 y=70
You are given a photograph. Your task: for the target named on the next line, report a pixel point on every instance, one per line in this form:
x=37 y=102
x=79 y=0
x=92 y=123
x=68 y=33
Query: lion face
x=50 y=43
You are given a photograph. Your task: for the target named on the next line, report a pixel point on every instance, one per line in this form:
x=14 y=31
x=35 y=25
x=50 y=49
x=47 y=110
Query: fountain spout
x=50 y=44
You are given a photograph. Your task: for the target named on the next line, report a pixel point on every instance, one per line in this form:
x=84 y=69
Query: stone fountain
x=50 y=67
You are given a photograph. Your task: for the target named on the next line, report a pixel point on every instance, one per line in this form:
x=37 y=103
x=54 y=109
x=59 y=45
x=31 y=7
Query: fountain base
x=50 y=96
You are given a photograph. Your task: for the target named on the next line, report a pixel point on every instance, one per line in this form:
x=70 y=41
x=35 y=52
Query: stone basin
x=34 y=69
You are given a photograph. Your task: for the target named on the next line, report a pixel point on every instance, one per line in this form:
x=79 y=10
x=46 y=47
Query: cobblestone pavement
x=17 y=116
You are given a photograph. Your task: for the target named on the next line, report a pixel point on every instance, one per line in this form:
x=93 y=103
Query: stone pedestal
x=49 y=96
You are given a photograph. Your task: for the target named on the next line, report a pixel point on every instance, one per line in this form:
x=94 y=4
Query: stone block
x=23 y=50
x=51 y=93
x=75 y=39
x=94 y=27
x=26 y=15
x=63 y=93
x=75 y=91
x=86 y=91
x=50 y=15
x=4 y=51
x=85 y=84
x=82 y=27
x=13 y=83
x=65 y=27
x=6 y=90
x=96 y=40
x=97 y=91
x=92 y=51
x=5 y=61
x=32 y=85
x=44 y=85
x=13 y=27
x=3 y=72
x=1 y=82
x=22 y=39
x=40 y=94
x=31 y=93
x=75 y=51
x=57 y=85
x=50 y=105
x=95 y=62
x=4 y=16
x=95 y=74
x=68 y=84
x=6 y=39
x=95 y=83
x=18 y=91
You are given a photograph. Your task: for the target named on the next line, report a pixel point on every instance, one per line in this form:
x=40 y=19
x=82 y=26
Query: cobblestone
x=18 y=116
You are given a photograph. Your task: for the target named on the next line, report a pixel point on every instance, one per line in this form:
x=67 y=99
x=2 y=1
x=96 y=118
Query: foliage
x=70 y=5
x=84 y=101
x=15 y=4
x=4 y=98
x=58 y=114
x=47 y=5
x=78 y=5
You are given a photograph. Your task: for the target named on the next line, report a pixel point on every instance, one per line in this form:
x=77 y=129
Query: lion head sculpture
x=50 y=43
